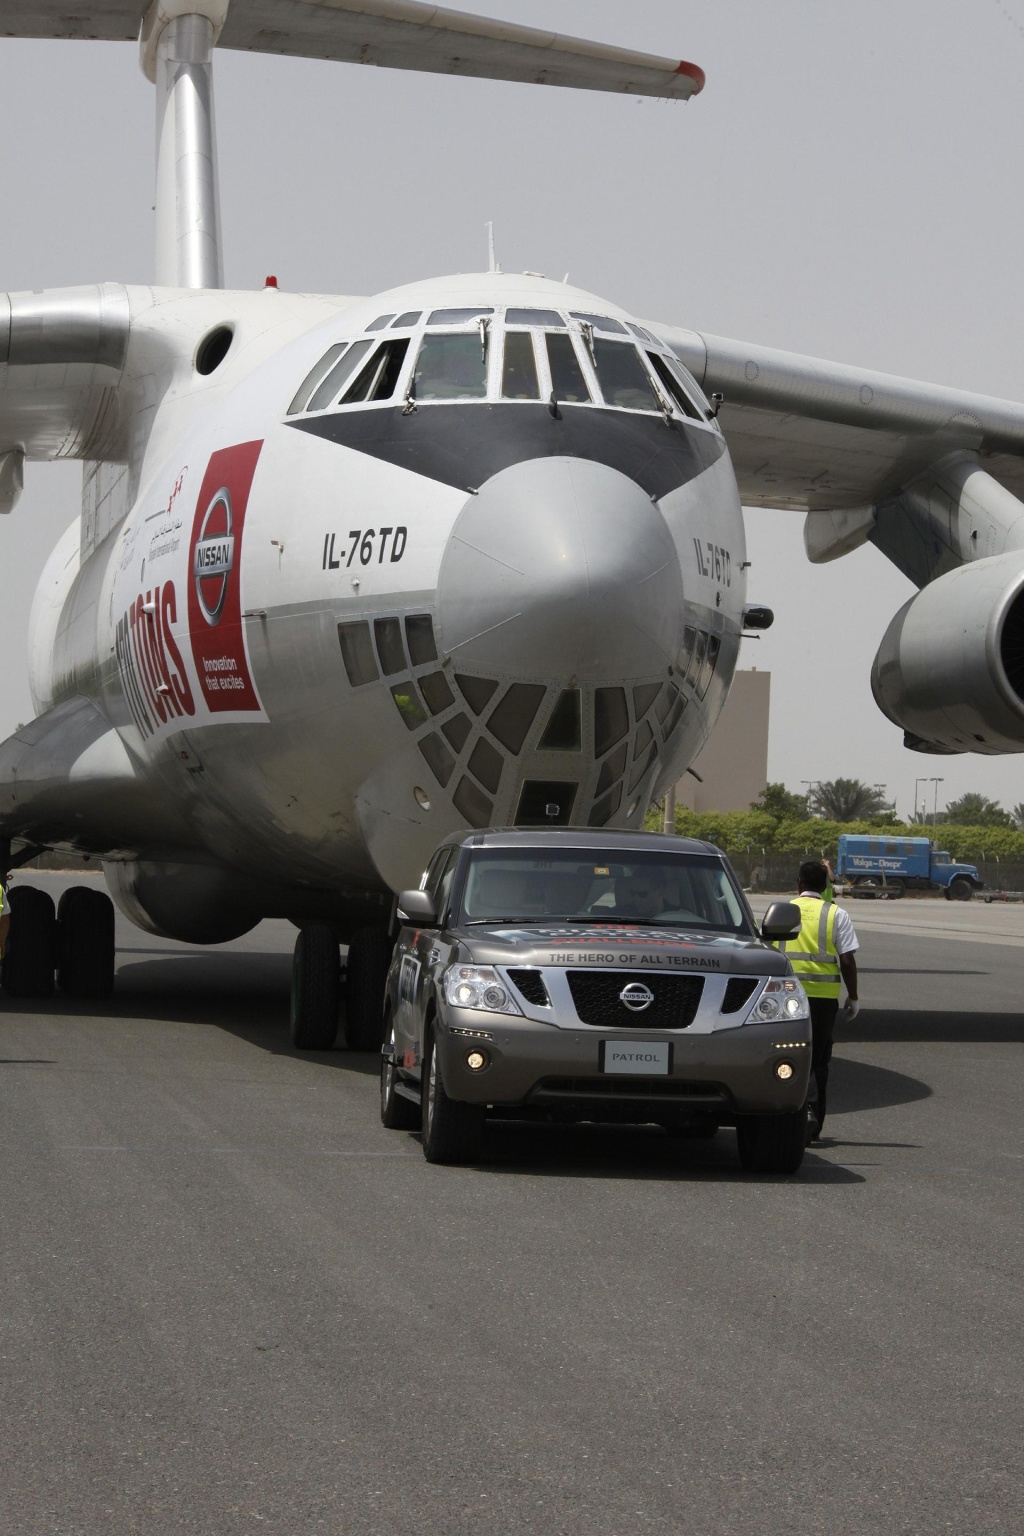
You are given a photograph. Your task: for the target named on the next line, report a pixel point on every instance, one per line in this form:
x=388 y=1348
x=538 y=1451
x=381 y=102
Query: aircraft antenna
x=493 y=265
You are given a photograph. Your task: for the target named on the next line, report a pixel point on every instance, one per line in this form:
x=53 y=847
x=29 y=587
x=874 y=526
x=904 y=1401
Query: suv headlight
x=782 y=998
x=478 y=986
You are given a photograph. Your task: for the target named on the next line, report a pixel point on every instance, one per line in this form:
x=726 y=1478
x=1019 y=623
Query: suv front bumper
x=722 y=1074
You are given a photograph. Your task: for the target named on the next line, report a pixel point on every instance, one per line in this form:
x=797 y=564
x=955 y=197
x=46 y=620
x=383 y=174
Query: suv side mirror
x=781 y=921
x=417 y=907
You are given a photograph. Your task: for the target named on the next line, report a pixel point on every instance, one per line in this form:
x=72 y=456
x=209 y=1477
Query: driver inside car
x=641 y=894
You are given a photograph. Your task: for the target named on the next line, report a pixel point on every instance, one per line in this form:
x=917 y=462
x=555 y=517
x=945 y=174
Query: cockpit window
x=314 y=376
x=409 y=318
x=638 y=330
x=342 y=371
x=601 y=323
x=674 y=387
x=380 y=322
x=451 y=367
x=519 y=374
x=568 y=382
x=459 y=316
x=533 y=317
x=622 y=376
x=379 y=378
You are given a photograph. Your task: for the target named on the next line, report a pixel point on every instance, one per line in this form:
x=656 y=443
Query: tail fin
x=178 y=37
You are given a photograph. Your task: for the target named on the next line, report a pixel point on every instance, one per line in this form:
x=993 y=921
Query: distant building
x=734 y=764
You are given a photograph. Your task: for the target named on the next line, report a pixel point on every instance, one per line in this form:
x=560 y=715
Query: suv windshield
x=579 y=885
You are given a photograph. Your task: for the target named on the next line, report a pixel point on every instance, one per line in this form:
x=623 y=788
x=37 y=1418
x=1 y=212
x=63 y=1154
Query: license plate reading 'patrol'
x=647 y=1058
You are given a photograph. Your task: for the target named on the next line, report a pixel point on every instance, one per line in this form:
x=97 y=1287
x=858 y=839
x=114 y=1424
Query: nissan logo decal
x=214 y=557
x=636 y=997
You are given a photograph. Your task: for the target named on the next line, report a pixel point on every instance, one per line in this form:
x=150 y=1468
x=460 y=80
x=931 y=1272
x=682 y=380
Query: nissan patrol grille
x=596 y=996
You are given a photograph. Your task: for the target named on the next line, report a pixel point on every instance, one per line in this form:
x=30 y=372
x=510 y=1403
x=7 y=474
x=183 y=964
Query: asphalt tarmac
x=230 y=1302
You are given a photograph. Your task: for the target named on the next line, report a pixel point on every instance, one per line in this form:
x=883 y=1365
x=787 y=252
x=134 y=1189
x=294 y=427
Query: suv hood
x=627 y=947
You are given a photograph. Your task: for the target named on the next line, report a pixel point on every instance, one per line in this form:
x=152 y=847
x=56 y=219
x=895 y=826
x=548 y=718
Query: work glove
x=850 y=1011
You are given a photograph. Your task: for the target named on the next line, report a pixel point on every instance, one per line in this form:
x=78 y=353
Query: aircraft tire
x=31 y=952
x=453 y=1131
x=369 y=957
x=772 y=1143
x=85 y=943
x=316 y=976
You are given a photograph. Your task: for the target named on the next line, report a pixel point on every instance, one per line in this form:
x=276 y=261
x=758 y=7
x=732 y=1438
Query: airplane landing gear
x=316 y=974
x=85 y=943
x=31 y=950
x=369 y=956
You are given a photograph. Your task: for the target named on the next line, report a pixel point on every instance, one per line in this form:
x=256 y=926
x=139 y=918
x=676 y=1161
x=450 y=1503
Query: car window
x=573 y=885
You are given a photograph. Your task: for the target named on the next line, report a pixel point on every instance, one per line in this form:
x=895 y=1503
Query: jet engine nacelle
x=950 y=668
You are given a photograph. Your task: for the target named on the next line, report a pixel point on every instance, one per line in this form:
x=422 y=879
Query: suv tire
x=772 y=1143
x=397 y=1113
x=452 y=1130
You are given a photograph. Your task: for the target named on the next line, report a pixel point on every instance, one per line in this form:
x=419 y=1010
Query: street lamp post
x=935 y=804
x=924 y=809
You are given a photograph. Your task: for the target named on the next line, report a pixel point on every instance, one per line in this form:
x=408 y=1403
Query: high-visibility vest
x=813 y=952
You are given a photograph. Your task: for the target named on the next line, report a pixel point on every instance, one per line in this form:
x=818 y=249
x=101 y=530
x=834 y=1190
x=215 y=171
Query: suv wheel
x=452 y=1131
x=772 y=1143
x=397 y=1113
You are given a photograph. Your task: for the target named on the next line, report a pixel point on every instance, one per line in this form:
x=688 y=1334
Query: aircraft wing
x=67 y=778
x=820 y=436
x=393 y=34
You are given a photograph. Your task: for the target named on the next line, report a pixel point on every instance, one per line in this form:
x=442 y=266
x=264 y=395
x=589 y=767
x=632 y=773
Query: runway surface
x=230 y=1302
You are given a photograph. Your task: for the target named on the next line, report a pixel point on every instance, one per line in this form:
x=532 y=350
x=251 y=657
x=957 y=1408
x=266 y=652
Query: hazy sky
x=847 y=185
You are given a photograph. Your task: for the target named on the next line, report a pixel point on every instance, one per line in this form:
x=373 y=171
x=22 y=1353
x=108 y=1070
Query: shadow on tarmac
x=859 y=1085
x=956 y=1028
x=587 y=1151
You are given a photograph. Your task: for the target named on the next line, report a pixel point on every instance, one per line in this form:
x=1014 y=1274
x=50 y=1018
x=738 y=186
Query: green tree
x=780 y=804
x=976 y=811
x=1017 y=816
x=847 y=800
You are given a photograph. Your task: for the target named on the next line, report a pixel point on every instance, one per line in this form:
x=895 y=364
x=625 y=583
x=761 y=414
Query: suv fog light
x=476 y=1061
x=784 y=1070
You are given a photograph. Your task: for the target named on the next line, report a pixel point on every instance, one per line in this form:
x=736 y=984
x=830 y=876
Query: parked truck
x=898 y=864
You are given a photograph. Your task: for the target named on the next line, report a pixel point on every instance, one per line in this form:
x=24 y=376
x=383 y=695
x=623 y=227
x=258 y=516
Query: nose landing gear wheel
x=31 y=950
x=316 y=974
x=85 y=943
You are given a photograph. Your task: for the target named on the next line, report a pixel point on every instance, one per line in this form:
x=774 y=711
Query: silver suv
x=593 y=976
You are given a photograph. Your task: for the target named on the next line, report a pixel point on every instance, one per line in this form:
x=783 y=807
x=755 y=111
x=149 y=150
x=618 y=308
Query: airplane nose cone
x=561 y=567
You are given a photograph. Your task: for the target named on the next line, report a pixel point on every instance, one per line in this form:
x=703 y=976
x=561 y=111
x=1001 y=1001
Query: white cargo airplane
x=352 y=573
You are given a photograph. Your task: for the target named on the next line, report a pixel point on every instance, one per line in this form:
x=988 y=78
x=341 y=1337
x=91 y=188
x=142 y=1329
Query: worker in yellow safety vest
x=822 y=956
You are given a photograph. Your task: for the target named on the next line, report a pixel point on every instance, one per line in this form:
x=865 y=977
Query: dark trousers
x=823 y=1024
